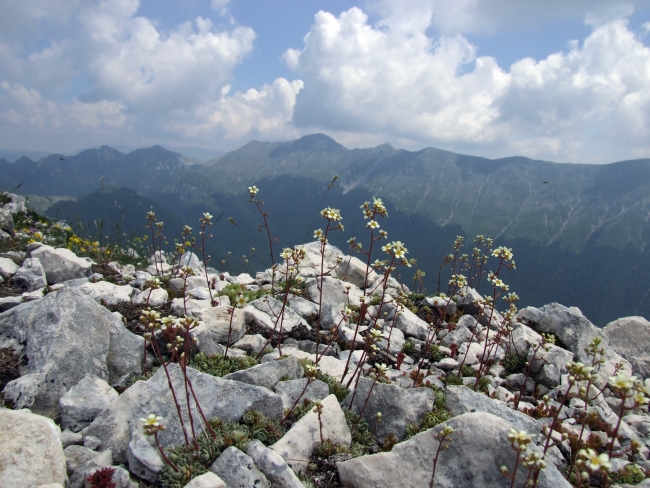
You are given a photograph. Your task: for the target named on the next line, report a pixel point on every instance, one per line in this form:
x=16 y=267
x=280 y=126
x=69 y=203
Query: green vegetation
x=192 y=463
x=218 y=365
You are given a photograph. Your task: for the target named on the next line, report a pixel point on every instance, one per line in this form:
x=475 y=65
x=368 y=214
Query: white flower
x=594 y=461
x=372 y=224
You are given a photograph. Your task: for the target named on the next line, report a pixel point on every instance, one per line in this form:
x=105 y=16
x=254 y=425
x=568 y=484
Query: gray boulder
x=269 y=374
x=206 y=480
x=144 y=459
x=238 y=470
x=399 y=406
x=31 y=453
x=334 y=291
x=461 y=400
x=408 y=322
x=479 y=447
x=154 y=298
x=267 y=312
x=77 y=456
x=8 y=268
x=8 y=303
x=274 y=467
x=294 y=390
x=84 y=402
x=216 y=324
x=218 y=397
x=576 y=333
x=65 y=336
x=302 y=307
x=297 y=445
x=252 y=344
x=550 y=365
x=191 y=260
x=60 y=264
x=630 y=337
x=457 y=336
x=110 y=294
x=353 y=270
x=30 y=276
x=6 y=221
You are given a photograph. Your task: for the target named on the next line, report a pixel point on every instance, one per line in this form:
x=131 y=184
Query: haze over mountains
x=580 y=232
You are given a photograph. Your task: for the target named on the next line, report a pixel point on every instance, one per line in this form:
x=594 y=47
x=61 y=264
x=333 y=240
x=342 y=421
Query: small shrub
x=232 y=290
x=468 y=371
x=219 y=365
x=363 y=440
x=515 y=363
x=408 y=347
x=630 y=474
x=435 y=354
x=192 y=462
x=451 y=379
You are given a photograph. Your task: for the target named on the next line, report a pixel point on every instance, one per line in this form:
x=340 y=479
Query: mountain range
x=580 y=231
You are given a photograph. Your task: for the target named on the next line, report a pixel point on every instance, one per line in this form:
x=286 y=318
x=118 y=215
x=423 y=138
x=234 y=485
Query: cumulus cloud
x=480 y=16
x=587 y=104
x=250 y=115
x=132 y=71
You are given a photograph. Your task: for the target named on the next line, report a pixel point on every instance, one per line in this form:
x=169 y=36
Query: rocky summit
x=321 y=371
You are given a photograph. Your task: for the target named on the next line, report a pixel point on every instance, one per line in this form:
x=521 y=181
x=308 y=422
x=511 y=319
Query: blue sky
x=555 y=80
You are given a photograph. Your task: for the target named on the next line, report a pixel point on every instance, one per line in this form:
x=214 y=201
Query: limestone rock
x=576 y=333
x=61 y=264
x=238 y=470
x=65 y=336
x=77 y=456
x=274 y=467
x=143 y=459
x=353 y=270
x=334 y=291
x=216 y=324
x=399 y=406
x=155 y=298
x=110 y=294
x=299 y=442
x=479 y=447
x=8 y=268
x=270 y=373
x=31 y=453
x=206 y=480
x=218 y=398
x=30 y=276
x=461 y=400
x=302 y=307
x=84 y=402
x=266 y=312
x=252 y=344
x=630 y=337
x=6 y=221
x=294 y=390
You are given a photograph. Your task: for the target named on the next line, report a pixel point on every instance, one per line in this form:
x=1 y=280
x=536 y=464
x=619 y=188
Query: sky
x=558 y=80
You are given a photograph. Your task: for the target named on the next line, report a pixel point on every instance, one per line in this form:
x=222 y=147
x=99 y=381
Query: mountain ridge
x=514 y=197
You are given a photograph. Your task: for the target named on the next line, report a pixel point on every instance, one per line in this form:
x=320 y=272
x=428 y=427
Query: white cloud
x=133 y=74
x=264 y=113
x=28 y=110
x=590 y=104
x=480 y=16
x=220 y=6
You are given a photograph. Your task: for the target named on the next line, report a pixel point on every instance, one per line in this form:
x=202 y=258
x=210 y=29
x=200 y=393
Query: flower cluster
x=332 y=214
